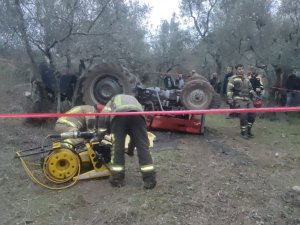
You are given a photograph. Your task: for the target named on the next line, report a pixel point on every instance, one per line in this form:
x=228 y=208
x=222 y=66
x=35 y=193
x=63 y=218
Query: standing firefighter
x=256 y=81
x=135 y=127
x=240 y=94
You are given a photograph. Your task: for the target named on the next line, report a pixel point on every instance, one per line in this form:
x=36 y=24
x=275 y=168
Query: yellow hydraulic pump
x=64 y=163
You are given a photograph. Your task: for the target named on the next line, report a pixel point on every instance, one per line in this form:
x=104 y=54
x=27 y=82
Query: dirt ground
x=216 y=178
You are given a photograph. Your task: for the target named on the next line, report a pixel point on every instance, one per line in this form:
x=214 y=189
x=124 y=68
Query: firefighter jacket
x=256 y=83
x=239 y=88
x=81 y=123
x=119 y=103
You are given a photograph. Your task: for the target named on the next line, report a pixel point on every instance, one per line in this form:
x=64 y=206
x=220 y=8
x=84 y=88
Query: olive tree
x=75 y=29
x=169 y=45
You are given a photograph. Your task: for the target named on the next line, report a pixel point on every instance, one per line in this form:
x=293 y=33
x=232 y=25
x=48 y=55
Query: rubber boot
x=117 y=179
x=244 y=134
x=149 y=180
x=249 y=133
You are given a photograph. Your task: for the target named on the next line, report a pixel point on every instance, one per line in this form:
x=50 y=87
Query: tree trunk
x=24 y=36
x=218 y=60
x=69 y=61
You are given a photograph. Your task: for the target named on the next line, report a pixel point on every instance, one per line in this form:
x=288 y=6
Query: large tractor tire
x=103 y=81
x=197 y=94
x=197 y=77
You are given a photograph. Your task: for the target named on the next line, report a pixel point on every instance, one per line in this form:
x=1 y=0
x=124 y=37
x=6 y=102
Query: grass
x=282 y=133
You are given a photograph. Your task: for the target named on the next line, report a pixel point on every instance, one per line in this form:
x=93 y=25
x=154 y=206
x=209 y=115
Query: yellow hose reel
x=61 y=165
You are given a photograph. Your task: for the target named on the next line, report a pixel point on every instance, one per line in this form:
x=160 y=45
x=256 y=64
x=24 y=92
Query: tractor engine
x=155 y=99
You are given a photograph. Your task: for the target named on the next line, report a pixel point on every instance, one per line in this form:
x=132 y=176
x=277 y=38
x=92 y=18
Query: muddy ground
x=213 y=179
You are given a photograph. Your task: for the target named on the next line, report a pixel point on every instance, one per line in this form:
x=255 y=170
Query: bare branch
x=25 y=6
x=98 y=16
x=24 y=37
x=90 y=34
x=208 y=16
x=195 y=20
x=202 y=29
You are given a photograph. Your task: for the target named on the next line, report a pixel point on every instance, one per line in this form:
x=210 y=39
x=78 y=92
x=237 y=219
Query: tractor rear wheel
x=197 y=94
x=106 y=80
x=197 y=77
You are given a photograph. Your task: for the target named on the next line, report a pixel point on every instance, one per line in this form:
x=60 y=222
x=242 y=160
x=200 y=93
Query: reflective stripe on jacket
x=119 y=103
x=123 y=103
x=239 y=87
x=81 y=122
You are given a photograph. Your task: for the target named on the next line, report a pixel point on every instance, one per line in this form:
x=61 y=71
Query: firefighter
x=81 y=123
x=135 y=127
x=240 y=94
x=256 y=81
x=228 y=75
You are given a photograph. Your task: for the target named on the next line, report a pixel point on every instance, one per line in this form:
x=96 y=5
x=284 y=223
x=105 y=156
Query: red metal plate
x=193 y=125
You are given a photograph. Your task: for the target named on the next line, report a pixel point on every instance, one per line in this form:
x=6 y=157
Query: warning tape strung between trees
x=153 y=113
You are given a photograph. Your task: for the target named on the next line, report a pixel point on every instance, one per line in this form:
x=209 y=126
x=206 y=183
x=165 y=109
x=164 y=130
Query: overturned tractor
x=56 y=92
x=101 y=82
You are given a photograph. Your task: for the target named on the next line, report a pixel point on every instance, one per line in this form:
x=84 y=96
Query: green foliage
x=218 y=33
x=169 y=46
x=66 y=31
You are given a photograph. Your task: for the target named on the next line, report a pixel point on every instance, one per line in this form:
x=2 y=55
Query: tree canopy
x=208 y=35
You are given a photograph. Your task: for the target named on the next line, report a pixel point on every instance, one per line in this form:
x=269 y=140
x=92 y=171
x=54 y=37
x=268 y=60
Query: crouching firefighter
x=135 y=127
x=81 y=123
x=240 y=94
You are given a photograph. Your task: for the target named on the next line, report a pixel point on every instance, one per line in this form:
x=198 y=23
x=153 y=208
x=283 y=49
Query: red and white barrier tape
x=184 y=112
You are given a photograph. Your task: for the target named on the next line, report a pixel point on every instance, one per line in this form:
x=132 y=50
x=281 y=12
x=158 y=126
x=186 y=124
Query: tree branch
x=89 y=34
x=212 y=5
x=98 y=16
x=195 y=20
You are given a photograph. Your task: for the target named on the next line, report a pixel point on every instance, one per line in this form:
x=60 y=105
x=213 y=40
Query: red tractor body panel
x=193 y=125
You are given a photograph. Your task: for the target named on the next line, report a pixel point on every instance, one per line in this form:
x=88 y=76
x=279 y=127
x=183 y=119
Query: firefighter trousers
x=135 y=127
x=245 y=118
